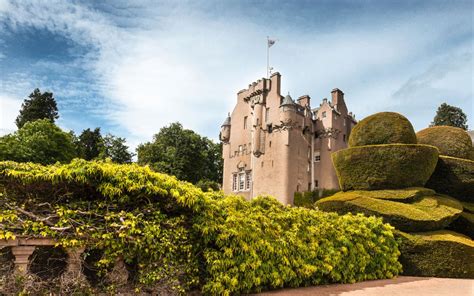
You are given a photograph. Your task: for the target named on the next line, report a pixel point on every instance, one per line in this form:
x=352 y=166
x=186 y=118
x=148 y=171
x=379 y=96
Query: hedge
x=451 y=141
x=438 y=253
x=425 y=213
x=468 y=207
x=464 y=224
x=383 y=128
x=178 y=238
x=388 y=166
x=455 y=177
x=401 y=195
x=262 y=244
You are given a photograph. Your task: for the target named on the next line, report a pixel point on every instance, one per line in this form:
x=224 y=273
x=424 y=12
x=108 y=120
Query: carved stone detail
x=22 y=253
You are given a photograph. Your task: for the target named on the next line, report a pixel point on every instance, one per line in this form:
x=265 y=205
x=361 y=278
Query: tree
x=451 y=116
x=115 y=149
x=183 y=153
x=39 y=141
x=38 y=106
x=90 y=144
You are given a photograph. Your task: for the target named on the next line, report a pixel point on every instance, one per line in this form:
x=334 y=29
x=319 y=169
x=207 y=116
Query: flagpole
x=268 y=57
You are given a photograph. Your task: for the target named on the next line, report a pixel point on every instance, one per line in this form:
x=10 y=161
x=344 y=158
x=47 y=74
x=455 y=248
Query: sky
x=132 y=67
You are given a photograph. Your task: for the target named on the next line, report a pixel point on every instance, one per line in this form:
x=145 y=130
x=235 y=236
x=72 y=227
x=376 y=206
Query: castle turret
x=225 y=130
x=287 y=110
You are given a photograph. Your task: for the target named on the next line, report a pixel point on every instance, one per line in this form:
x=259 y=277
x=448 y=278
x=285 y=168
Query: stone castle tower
x=274 y=145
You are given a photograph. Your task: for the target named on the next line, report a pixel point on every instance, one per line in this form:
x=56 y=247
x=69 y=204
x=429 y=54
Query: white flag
x=271 y=42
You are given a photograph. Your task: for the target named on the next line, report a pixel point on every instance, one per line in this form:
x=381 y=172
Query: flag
x=271 y=42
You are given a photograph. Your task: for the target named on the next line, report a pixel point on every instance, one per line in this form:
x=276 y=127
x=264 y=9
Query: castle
x=274 y=145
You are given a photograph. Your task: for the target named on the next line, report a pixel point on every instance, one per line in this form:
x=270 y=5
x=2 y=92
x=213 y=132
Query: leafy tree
x=183 y=153
x=38 y=106
x=90 y=144
x=451 y=116
x=115 y=149
x=40 y=141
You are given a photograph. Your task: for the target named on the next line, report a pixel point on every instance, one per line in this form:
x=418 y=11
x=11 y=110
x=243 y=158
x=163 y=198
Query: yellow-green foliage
x=455 y=177
x=384 y=166
x=383 y=128
x=178 y=237
x=438 y=253
x=262 y=244
x=451 y=141
x=402 y=195
x=423 y=213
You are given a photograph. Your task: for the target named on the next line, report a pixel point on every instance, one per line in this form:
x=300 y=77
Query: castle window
x=309 y=167
x=344 y=138
x=344 y=121
x=267 y=115
x=317 y=156
x=316 y=185
x=245 y=122
x=234 y=182
x=324 y=114
x=248 y=179
x=241 y=181
x=270 y=144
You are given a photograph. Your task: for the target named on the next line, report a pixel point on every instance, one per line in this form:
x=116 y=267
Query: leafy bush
x=439 y=253
x=451 y=141
x=382 y=128
x=455 y=177
x=262 y=244
x=423 y=213
x=178 y=238
x=384 y=166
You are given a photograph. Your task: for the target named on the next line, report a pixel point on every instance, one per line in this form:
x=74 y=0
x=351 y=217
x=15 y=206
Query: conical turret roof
x=287 y=100
x=227 y=121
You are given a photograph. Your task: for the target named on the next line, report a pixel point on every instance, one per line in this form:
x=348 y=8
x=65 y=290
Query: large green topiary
x=424 y=213
x=438 y=253
x=383 y=128
x=464 y=224
x=451 y=141
x=384 y=166
x=455 y=177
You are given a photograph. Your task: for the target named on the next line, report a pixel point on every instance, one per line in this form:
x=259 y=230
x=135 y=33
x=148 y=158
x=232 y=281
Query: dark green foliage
x=464 y=224
x=115 y=149
x=182 y=153
x=384 y=166
x=178 y=237
x=207 y=185
x=450 y=116
x=455 y=177
x=451 y=141
x=305 y=199
x=39 y=141
x=90 y=144
x=425 y=212
x=262 y=244
x=438 y=253
x=382 y=128
x=38 y=106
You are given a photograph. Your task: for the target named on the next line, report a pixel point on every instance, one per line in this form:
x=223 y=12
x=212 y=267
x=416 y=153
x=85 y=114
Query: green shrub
x=438 y=253
x=382 y=128
x=455 y=177
x=401 y=195
x=468 y=207
x=305 y=199
x=425 y=213
x=464 y=224
x=451 y=141
x=262 y=244
x=177 y=238
x=384 y=166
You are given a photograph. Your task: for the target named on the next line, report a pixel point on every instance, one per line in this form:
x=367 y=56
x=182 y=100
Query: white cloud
x=9 y=107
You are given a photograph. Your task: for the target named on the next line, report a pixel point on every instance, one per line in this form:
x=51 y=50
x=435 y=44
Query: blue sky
x=131 y=67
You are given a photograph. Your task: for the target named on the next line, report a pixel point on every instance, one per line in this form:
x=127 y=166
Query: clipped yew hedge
x=451 y=141
x=388 y=166
x=179 y=239
x=438 y=253
x=422 y=213
x=455 y=177
x=383 y=128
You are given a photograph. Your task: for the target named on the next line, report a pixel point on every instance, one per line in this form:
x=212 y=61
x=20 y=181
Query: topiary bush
x=384 y=166
x=382 y=128
x=455 y=177
x=438 y=253
x=423 y=213
x=451 y=141
x=262 y=244
x=176 y=238
x=464 y=224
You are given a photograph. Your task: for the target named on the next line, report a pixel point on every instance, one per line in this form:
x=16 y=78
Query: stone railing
x=23 y=247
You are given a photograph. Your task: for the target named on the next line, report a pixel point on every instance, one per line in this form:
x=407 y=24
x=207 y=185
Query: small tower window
x=344 y=138
x=270 y=144
x=316 y=185
x=317 y=156
x=245 y=122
